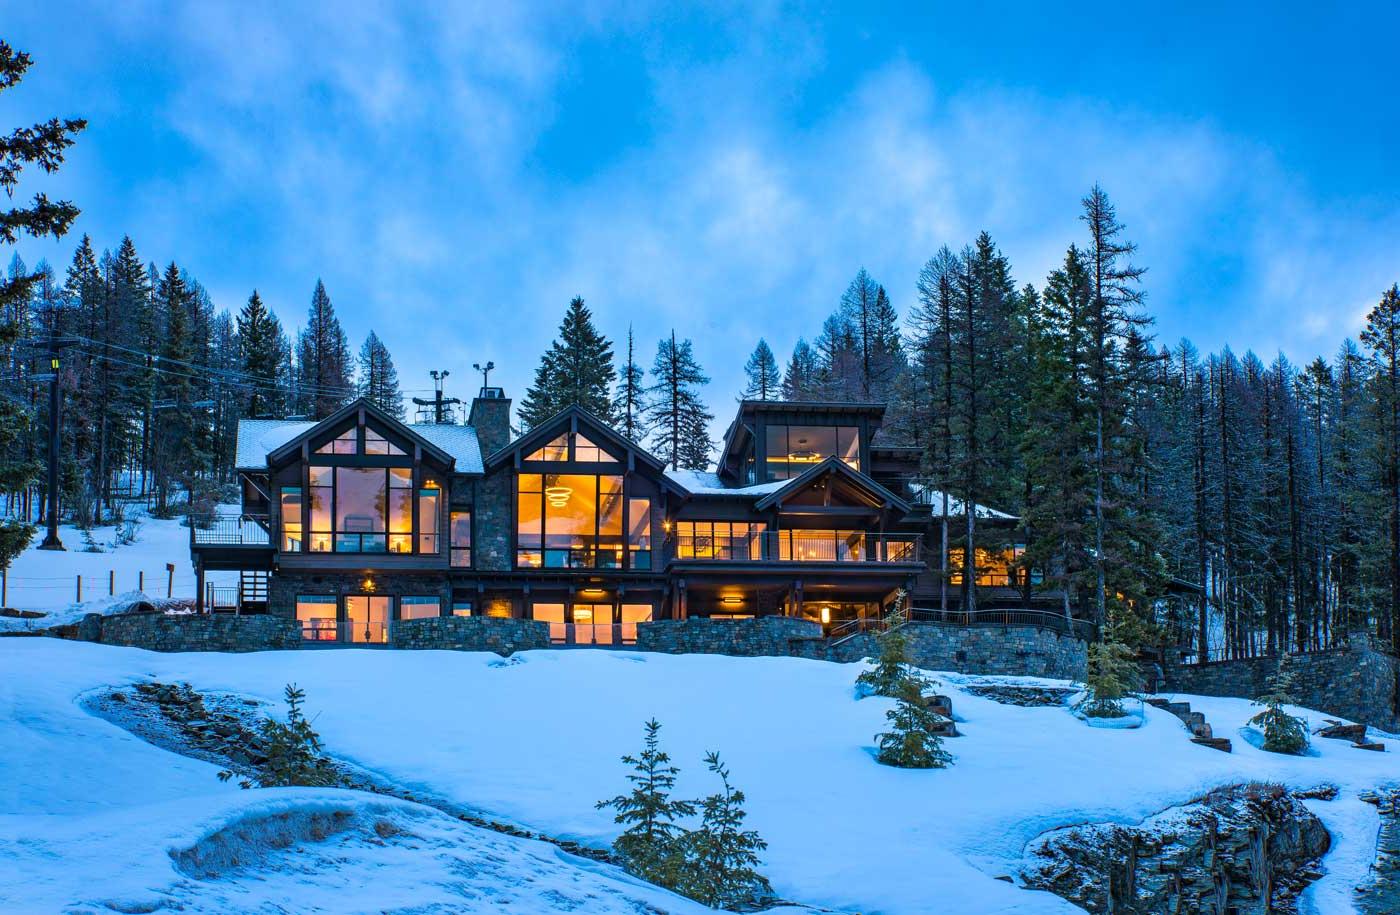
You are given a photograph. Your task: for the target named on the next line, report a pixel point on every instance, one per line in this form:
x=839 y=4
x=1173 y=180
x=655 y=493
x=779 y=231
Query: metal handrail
x=799 y=546
x=1039 y=619
x=230 y=530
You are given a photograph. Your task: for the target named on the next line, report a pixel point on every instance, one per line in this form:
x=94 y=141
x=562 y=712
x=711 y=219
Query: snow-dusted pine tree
x=648 y=846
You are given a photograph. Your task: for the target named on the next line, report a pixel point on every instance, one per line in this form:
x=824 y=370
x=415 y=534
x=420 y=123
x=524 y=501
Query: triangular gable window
x=557 y=450
x=378 y=444
x=345 y=443
x=586 y=450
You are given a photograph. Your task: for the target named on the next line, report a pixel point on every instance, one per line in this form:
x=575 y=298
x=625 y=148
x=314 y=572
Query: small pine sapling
x=1283 y=733
x=292 y=750
x=912 y=741
x=892 y=673
x=648 y=847
x=720 y=859
x=1112 y=676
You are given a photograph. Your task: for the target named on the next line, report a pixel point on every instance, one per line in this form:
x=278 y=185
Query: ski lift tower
x=440 y=410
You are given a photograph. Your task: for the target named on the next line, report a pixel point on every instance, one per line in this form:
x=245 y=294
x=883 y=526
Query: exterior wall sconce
x=731 y=600
x=826 y=615
x=593 y=591
x=368 y=585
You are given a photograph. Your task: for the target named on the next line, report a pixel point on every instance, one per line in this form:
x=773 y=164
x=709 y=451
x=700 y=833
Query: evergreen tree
x=182 y=445
x=892 y=674
x=912 y=742
x=1112 y=677
x=721 y=856
x=379 y=381
x=1382 y=337
x=577 y=370
x=291 y=751
x=648 y=846
x=801 y=380
x=263 y=347
x=630 y=401
x=323 y=359
x=873 y=327
x=1283 y=733
x=676 y=413
x=762 y=373
x=838 y=359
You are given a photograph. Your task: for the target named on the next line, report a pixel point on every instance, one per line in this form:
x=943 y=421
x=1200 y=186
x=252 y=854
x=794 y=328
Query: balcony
x=225 y=531
x=800 y=546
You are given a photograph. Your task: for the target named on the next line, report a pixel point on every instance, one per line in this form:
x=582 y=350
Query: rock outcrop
x=1246 y=849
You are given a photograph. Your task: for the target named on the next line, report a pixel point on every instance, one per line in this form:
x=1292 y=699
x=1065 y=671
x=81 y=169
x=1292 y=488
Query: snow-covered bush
x=1283 y=733
x=912 y=741
x=292 y=750
x=1112 y=676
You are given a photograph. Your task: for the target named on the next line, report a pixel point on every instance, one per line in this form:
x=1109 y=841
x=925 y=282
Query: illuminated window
x=585 y=451
x=419 y=608
x=724 y=540
x=460 y=539
x=316 y=613
x=639 y=533
x=322 y=494
x=291 y=519
x=360 y=497
x=429 y=498
x=557 y=450
x=994 y=567
x=569 y=520
x=461 y=607
x=346 y=442
x=792 y=449
x=630 y=615
x=378 y=444
x=400 y=510
x=553 y=614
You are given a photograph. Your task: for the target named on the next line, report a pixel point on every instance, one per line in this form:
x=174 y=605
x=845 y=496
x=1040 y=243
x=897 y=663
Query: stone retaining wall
x=1021 y=651
x=1358 y=683
x=765 y=635
x=191 y=632
x=1014 y=651
x=471 y=633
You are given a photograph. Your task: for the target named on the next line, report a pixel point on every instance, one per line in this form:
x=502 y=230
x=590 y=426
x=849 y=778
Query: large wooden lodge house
x=359 y=520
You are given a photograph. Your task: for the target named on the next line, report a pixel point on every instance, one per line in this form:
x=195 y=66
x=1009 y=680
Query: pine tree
x=838 y=359
x=721 y=856
x=1283 y=733
x=800 y=380
x=874 y=332
x=1382 y=337
x=291 y=751
x=263 y=348
x=648 y=846
x=379 y=381
x=182 y=444
x=323 y=359
x=1112 y=676
x=676 y=413
x=761 y=371
x=630 y=401
x=577 y=370
x=892 y=674
x=912 y=742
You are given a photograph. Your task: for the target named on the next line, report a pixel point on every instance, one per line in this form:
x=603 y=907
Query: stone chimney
x=490 y=416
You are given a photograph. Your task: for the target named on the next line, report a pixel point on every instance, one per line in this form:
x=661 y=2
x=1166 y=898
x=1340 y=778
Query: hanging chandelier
x=558 y=496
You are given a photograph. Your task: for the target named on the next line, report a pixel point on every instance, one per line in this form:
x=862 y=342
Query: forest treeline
x=1209 y=500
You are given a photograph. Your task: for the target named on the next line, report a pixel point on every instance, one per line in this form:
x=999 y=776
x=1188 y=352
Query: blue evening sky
x=456 y=173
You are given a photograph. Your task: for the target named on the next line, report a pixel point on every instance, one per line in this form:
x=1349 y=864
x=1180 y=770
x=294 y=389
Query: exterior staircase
x=1356 y=733
x=1195 y=722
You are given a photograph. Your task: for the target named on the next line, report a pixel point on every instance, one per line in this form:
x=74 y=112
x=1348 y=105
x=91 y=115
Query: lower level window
x=461 y=608
x=419 y=608
x=316 y=613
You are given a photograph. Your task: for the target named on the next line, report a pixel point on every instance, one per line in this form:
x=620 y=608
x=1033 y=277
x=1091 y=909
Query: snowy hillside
x=534 y=740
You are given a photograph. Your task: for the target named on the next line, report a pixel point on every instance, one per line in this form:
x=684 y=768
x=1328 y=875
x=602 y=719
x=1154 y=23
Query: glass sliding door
x=593 y=624
x=553 y=614
x=367 y=619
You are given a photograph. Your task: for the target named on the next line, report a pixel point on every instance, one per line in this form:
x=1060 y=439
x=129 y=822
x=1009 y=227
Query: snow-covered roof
x=257 y=438
x=705 y=483
x=927 y=495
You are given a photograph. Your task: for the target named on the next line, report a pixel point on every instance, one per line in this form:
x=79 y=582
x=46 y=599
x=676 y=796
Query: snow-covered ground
x=89 y=811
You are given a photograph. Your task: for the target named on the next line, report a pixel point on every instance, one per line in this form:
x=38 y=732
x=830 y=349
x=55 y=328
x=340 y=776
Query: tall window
x=728 y=540
x=639 y=533
x=569 y=520
x=460 y=534
x=792 y=449
x=400 y=510
x=291 y=519
x=316 y=613
x=322 y=495
x=429 y=498
x=361 y=494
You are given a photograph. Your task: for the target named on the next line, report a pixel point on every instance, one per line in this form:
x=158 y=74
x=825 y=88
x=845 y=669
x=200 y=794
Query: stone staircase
x=1356 y=733
x=1195 y=723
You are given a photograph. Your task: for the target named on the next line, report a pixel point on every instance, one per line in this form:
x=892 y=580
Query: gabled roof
x=833 y=465
x=569 y=419
x=260 y=439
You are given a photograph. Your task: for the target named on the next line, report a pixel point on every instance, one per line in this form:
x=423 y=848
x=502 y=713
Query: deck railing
x=230 y=530
x=1039 y=619
x=799 y=546
x=602 y=634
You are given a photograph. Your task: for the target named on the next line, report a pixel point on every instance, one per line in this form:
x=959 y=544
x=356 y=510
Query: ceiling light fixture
x=558 y=496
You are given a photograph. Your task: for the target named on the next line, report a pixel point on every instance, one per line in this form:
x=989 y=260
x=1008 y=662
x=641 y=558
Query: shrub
x=292 y=750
